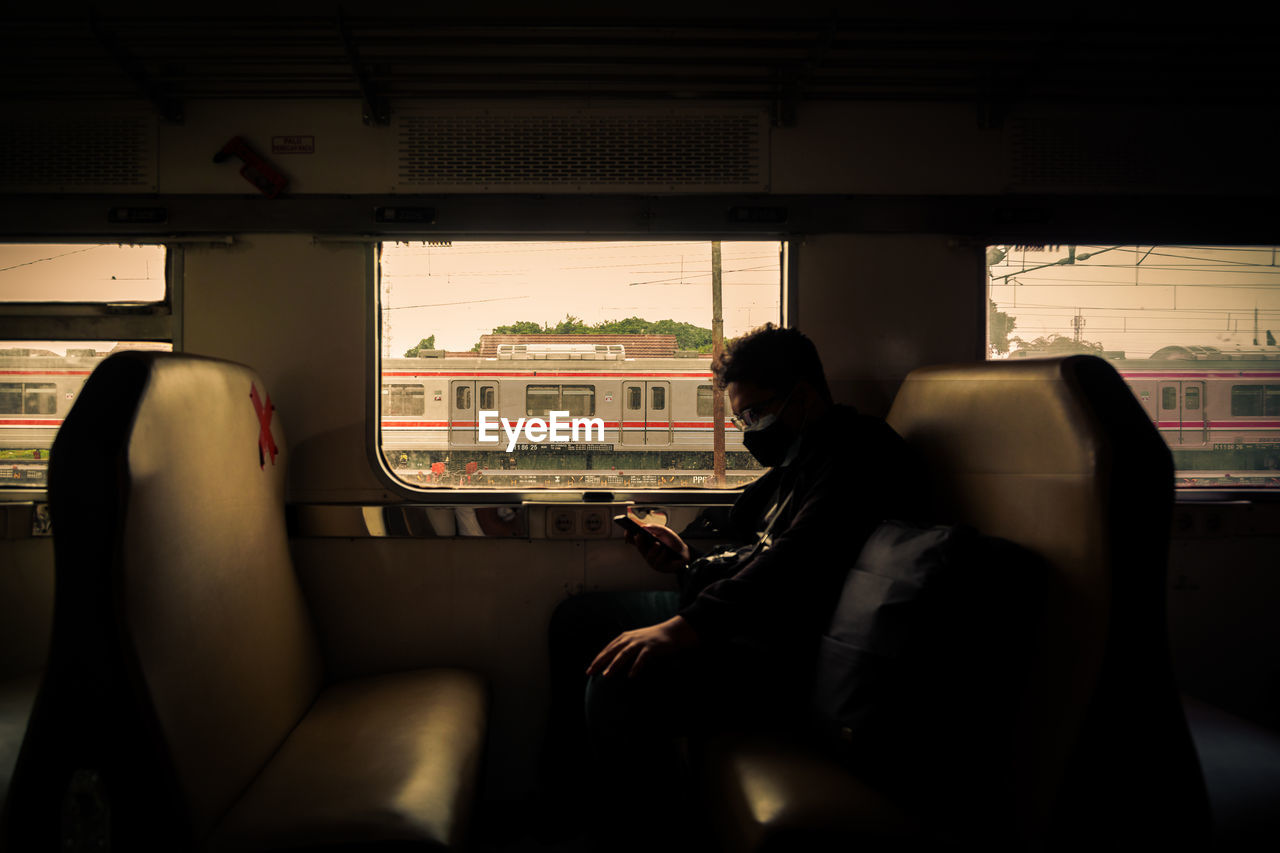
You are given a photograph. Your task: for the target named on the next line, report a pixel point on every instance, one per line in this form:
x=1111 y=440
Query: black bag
x=921 y=664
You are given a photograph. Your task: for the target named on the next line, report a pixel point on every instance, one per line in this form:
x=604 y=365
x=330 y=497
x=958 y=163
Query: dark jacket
x=851 y=471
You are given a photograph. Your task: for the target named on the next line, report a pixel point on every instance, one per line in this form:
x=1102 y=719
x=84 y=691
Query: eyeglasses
x=750 y=416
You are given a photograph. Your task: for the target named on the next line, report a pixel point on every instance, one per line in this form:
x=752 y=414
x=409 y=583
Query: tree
x=999 y=325
x=524 y=327
x=425 y=343
x=1056 y=344
x=688 y=336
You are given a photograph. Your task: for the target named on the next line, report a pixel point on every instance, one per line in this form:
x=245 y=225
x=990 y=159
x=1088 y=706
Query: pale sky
x=1141 y=298
x=464 y=290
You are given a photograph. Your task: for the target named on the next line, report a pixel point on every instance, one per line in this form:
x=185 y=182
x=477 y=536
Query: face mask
x=769 y=439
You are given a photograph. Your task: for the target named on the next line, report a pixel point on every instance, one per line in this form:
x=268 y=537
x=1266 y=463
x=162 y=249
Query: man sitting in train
x=734 y=646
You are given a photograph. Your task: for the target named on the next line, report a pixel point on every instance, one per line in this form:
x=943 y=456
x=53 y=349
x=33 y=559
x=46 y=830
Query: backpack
x=921 y=669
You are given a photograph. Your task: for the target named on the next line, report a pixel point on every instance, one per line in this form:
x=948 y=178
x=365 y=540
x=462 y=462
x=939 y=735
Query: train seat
x=1057 y=456
x=184 y=704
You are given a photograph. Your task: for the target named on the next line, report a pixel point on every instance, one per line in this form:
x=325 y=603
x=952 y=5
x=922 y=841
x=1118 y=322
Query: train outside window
x=1255 y=400
x=1192 y=327
x=704 y=401
x=40 y=380
x=404 y=399
x=589 y=361
x=28 y=398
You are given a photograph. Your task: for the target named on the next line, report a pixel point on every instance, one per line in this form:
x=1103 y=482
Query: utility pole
x=717 y=347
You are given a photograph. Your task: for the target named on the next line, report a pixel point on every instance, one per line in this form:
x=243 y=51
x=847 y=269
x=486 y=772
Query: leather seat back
x=1058 y=455
x=167 y=497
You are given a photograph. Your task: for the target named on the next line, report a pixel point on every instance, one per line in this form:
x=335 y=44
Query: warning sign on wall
x=293 y=145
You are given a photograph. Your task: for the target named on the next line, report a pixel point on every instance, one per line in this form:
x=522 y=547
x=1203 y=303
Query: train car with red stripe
x=1218 y=410
x=36 y=392
x=644 y=404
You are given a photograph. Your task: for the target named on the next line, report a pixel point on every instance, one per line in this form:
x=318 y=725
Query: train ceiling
x=378 y=58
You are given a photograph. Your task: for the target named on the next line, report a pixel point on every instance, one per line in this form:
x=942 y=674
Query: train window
x=584 y=359
x=573 y=400
x=1255 y=400
x=1246 y=400
x=705 y=401
x=541 y=400
x=403 y=400
x=578 y=400
x=1192 y=329
x=28 y=398
x=80 y=294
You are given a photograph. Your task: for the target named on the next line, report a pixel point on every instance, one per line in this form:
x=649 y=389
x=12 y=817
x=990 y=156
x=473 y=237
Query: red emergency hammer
x=256 y=170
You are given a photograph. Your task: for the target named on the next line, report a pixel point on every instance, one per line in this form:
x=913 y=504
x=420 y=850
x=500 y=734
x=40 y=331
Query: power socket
x=562 y=522
x=595 y=522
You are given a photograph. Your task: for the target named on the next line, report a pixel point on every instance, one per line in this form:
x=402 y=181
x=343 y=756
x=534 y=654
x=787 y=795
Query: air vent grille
x=1063 y=154
x=78 y=154
x=584 y=150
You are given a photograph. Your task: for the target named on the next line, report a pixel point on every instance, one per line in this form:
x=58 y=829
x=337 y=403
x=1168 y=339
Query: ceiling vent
x=522 y=150
x=77 y=154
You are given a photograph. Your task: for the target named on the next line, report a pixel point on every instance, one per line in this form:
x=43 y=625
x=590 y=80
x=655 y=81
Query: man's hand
x=631 y=651
x=663 y=548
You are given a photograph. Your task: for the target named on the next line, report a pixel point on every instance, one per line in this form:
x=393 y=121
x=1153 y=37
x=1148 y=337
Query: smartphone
x=628 y=523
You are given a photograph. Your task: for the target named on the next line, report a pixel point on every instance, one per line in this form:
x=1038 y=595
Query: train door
x=462 y=412
x=1182 y=415
x=646 y=414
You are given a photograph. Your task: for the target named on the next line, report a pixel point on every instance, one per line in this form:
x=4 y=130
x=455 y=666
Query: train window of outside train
x=569 y=335
x=541 y=400
x=578 y=400
x=77 y=292
x=1246 y=400
x=1197 y=320
x=705 y=401
x=464 y=397
x=403 y=400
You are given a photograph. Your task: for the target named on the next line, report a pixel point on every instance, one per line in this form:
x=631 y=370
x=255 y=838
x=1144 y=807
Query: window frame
x=1036 y=236
x=102 y=321
x=145 y=322
x=789 y=257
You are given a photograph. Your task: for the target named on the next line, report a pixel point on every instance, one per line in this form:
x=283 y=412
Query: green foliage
x=1000 y=325
x=524 y=327
x=425 y=343
x=1056 y=344
x=688 y=336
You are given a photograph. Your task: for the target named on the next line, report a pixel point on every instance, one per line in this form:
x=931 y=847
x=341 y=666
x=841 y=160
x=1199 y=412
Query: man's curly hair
x=773 y=358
